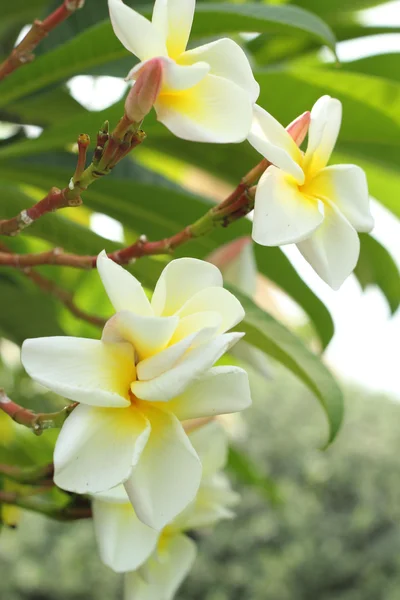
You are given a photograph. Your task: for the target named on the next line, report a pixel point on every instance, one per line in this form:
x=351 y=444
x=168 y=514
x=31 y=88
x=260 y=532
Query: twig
x=29 y=475
x=65 y=297
x=79 y=508
x=37 y=422
x=23 y=52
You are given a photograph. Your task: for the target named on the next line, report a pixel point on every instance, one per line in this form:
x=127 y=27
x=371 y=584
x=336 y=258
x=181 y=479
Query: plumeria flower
x=207 y=93
x=157 y=562
x=151 y=370
x=300 y=200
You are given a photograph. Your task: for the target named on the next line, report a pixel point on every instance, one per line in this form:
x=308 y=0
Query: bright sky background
x=366 y=346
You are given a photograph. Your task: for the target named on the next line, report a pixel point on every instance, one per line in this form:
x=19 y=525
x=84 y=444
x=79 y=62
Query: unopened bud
x=144 y=91
x=299 y=127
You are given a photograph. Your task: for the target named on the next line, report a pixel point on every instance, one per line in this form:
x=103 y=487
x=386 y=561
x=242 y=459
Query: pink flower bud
x=299 y=127
x=144 y=91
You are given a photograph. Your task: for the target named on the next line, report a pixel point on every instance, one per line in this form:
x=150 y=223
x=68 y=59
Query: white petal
x=215 y=110
x=173 y=20
x=123 y=289
x=193 y=364
x=167 y=477
x=226 y=59
x=179 y=281
x=116 y=495
x=333 y=249
x=209 y=323
x=215 y=299
x=256 y=358
x=282 y=213
x=97 y=448
x=148 y=335
x=180 y=77
x=272 y=140
x=164 y=576
x=136 y=33
x=326 y=118
x=88 y=371
x=211 y=445
x=346 y=186
x=219 y=391
x=124 y=541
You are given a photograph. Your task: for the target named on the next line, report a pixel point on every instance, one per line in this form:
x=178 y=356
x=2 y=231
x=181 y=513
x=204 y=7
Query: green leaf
x=331 y=8
x=377 y=267
x=159 y=212
x=248 y=473
x=265 y=333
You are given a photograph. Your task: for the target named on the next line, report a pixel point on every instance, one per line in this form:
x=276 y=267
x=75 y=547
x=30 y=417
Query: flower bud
x=144 y=91
x=299 y=127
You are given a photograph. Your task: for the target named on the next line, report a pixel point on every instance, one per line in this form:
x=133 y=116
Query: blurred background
x=312 y=524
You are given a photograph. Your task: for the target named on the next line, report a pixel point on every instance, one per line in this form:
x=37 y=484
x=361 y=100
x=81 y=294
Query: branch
x=37 y=422
x=222 y=215
x=29 y=475
x=109 y=151
x=79 y=508
x=23 y=53
x=65 y=297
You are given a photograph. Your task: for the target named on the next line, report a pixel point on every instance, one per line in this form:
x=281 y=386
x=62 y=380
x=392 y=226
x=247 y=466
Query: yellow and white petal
x=97 y=448
x=162 y=578
x=333 y=250
x=168 y=474
x=272 y=140
x=326 y=119
x=123 y=289
x=124 y=542
x=215 y=110
x=179 y=281
x=83 y=370
x=219 y=391
x=211 y=445
x=282 y=213
x=192 y=365
x=181 y=77
x=218 y=300
x=206 y=324
x=148 y=335
x=173 y=20
x=226 y=59
x=346 y=186
x=135 y=32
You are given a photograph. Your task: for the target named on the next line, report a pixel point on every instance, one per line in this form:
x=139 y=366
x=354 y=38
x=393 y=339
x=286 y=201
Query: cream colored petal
x=218 y=300
x=326 y=119
x=192 y=365
x=208 y=322
x=346 y=186
x=123 y=289
x=124 y=542
x=173 y=21
x=148 y=335
x=219 y=391
x=283 y=213
x=163 y=577
x=179 y=281
x=211 y=444
x=272 y=140
x=83 y=370
x=136 y=33
x=333 y=250
x=215 y=110
x=97 y=448
x=226 y=59
x=167 y=477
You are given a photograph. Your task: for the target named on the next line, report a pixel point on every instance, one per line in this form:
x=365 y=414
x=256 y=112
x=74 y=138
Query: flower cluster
x=129 y=443
x=209 y=94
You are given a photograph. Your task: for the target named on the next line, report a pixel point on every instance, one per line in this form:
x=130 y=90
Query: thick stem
x=23 y=52
x=37 y=422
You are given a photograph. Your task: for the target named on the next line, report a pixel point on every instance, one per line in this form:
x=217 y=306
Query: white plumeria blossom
x=207 y=93
x=300 y=200
x=151 y=369
x=157 y=562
